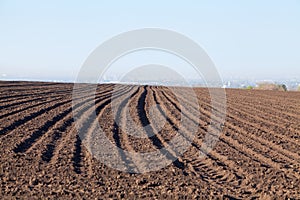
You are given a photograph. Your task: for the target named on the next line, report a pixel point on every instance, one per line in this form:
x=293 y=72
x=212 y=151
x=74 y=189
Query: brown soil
x=41 y=156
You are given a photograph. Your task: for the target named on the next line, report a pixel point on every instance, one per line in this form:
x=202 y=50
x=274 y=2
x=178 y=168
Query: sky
x=50 y=40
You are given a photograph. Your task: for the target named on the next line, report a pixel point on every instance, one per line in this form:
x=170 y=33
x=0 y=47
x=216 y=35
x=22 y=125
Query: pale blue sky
x=247 y=39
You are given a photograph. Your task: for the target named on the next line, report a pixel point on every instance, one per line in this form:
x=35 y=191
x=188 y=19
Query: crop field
x=42 y=155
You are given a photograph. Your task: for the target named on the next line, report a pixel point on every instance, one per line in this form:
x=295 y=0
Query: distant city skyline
x=253 y=40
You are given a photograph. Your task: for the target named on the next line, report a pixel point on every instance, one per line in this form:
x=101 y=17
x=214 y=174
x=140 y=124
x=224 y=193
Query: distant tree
x=298 y=87
x=249 y=87
x=283 y=87
x=272 y=86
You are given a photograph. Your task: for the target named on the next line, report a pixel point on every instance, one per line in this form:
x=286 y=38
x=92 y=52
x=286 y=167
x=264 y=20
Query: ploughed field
x=41 y=154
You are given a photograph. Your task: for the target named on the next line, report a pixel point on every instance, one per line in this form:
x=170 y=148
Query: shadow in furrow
x=172 y=124
x=77 y=157
x=82 y=132
x=107 y=98
x=171 y=101
x=154 y=139
x=31 y=117
x=26 y=144
x=116 y=136
x=34 y=115
x=26 y=108
x=23 y=102
x=48 y=153
x=198 y=147
x=117 y=132
x=32 y=94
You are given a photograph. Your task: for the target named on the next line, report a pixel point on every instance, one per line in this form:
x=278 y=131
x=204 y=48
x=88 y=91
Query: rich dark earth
x=42 y=156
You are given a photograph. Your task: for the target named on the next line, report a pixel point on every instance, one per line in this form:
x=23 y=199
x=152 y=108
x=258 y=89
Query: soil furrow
x=85 y=121
x=249 y=150
x=221 y=168
x=61 y=125
x=265 y=143
x=45 y=154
